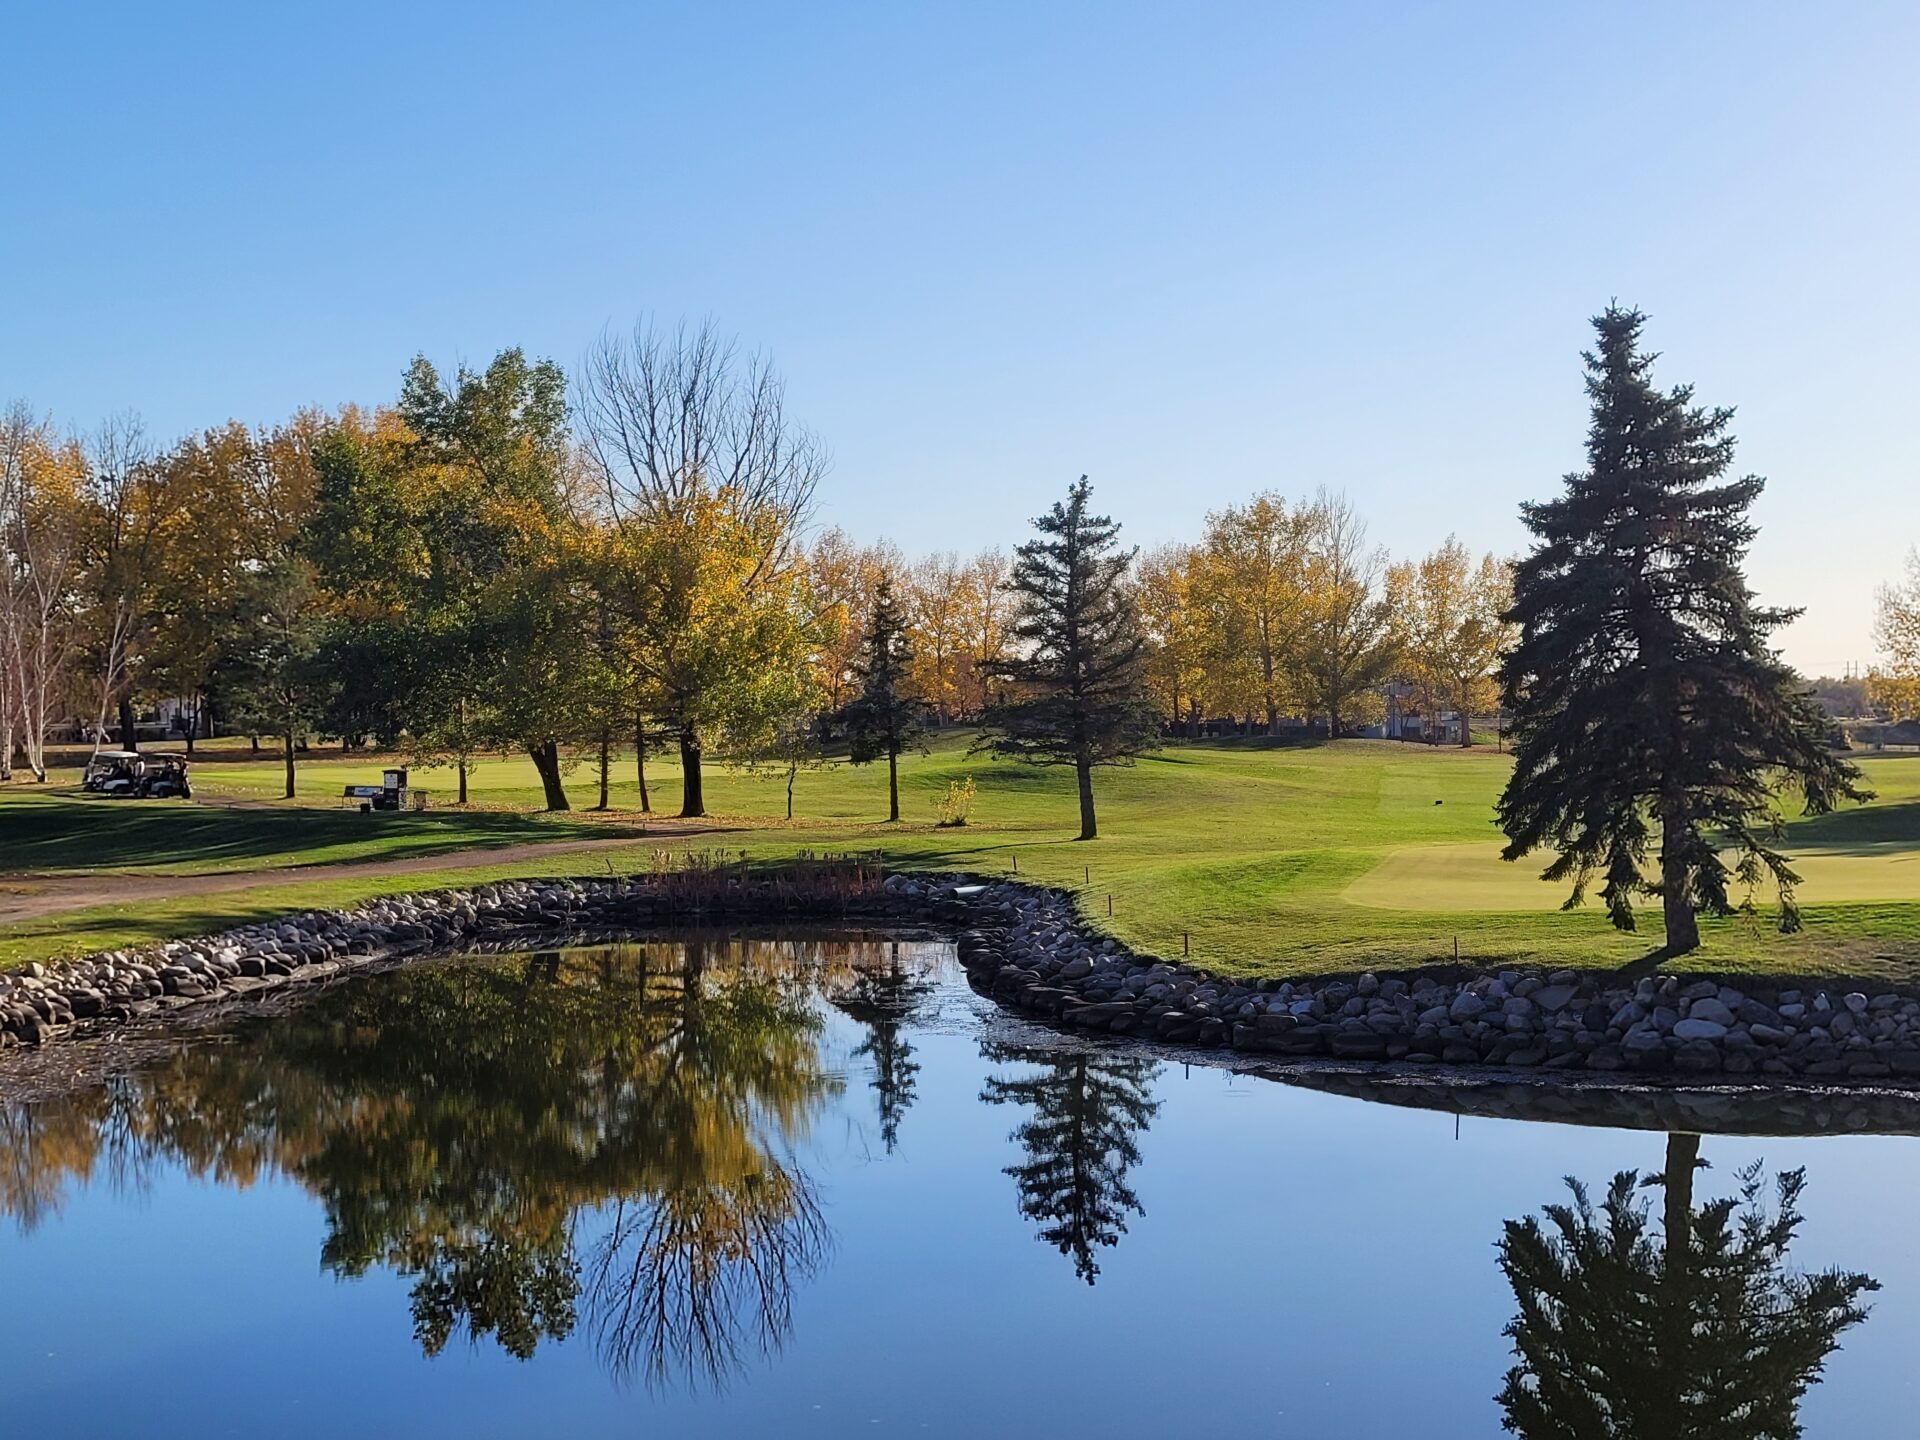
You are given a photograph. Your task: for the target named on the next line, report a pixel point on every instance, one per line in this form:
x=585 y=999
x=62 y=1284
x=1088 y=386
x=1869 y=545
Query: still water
x=811 y=1188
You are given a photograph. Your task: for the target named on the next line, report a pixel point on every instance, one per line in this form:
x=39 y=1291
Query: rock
x=1466 y=1005
x=1640 y=1039
x=1553 y=997
x=1710 y=1008
x=1694 y=1028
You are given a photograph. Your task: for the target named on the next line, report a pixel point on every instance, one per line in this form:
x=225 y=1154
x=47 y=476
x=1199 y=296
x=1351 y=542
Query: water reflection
x=1081 y=1137
x=605 y=1145
x=885 y=1000
x=458 y=1122
x=1704 y=1332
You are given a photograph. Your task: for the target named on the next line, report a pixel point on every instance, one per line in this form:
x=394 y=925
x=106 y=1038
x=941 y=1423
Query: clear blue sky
x=1193 y=250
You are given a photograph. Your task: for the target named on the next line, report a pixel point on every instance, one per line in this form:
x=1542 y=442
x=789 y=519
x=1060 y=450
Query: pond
x=818 y=1187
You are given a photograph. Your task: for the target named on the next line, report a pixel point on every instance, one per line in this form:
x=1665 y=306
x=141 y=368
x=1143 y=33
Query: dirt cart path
x=30 y=897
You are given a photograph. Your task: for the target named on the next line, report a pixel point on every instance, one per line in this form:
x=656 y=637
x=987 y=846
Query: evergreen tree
x=1078 y=669
x=1705 y=1334
x=1082 y=1139
x=1643 y=688
x=882 y=720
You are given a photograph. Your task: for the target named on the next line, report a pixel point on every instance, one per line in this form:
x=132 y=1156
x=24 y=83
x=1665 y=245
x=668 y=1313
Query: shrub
x=956 y=805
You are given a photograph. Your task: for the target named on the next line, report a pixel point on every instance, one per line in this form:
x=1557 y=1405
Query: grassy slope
x=1258 y=855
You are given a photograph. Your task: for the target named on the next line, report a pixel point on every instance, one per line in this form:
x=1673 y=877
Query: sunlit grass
x=1245 y=857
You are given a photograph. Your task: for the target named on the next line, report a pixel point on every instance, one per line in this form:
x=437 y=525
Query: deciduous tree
x=1450 y=613
x=43 y=534
x=1253 y=568
x=1896 y=684
x=1346 y=643
x=682 y=430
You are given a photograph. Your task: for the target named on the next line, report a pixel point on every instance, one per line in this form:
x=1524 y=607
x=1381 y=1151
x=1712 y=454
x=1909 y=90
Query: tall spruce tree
x=882 y=720
x=1078 y=693
x=1643 y=687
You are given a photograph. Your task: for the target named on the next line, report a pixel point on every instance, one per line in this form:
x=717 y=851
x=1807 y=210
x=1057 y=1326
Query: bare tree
x=128 y=493
x=687 y=1283
x=671 y=416
x=680 y=425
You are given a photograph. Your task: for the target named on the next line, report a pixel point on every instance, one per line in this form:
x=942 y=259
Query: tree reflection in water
x=1088 y=1110
x=460 y=1123
x=884 y=1000
x=1703 y=1334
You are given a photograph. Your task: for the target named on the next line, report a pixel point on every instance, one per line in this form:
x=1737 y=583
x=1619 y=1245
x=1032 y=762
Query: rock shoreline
x=1026 y=947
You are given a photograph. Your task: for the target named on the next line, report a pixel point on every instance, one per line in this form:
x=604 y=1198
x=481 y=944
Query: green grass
x=1253 y=859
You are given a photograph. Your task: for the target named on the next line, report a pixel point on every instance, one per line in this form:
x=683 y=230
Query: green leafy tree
x=1701 y=1333
x=1643 y=686
x=268 y=677
x=1078 y=662
x=503 y=583
x=1081 y=1139
x=883 y=719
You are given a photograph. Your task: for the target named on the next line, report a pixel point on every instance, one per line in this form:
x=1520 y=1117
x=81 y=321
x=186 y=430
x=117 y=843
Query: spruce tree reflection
x=1704 y=1334
x=884 y=1000
x=1082 y=1139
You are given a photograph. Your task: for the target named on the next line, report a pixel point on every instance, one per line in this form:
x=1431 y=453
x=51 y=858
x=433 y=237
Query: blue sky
x=1194 y=250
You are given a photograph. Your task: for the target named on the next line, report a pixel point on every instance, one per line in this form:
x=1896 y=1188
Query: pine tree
x=1088 y=1112
x=882 y=719
x=1643 y=687
x=1705 y=1332
x=1078 y=672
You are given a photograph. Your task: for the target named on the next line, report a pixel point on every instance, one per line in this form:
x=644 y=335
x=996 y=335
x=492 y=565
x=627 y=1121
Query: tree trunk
x=640 y=763
x=460 y=766
x=893 y=785
x=606 y=758
x=129 y=739
x=253 y=744
x=693 y=800
x=1683 y=926
x=1466 y=720
x=1683 y=1157
x=287 y=740
x=792 y=770
x=1088 y=829
x=546 y=760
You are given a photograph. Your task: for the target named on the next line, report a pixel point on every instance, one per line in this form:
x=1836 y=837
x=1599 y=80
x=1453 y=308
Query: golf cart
x=392 y=793
x=123 y=774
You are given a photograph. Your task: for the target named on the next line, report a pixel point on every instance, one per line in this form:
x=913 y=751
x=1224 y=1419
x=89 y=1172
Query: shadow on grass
x=1864 y=830
x=62 y=833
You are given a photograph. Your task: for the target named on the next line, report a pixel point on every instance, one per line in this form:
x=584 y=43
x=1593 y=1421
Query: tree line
x=624 y=561
x=505 y=560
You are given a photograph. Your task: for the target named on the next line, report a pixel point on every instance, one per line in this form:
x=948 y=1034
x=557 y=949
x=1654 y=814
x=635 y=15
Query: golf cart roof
x=114 y=755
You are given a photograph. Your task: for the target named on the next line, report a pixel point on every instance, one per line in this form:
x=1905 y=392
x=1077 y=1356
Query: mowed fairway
x=1249 y=858
x=1860 y=854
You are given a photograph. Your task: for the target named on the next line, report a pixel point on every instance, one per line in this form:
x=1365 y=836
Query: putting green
x=1475 y=878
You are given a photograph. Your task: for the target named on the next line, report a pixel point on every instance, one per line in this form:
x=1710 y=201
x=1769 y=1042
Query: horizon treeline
x=626 y=560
